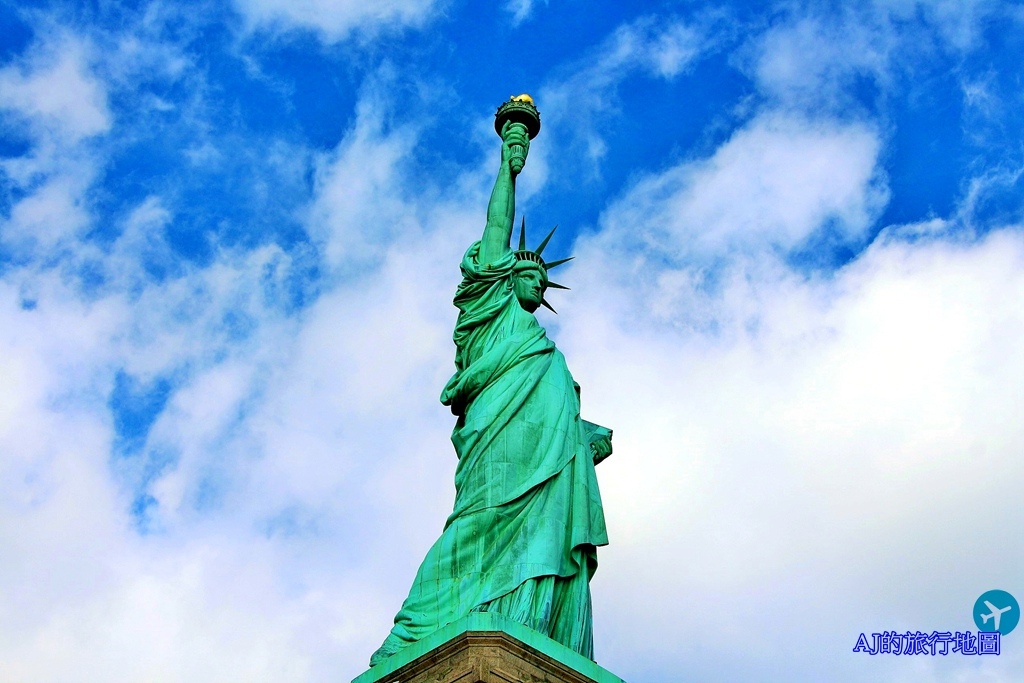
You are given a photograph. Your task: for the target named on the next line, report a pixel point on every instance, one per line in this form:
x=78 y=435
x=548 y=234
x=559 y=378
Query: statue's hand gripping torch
x=517 y=122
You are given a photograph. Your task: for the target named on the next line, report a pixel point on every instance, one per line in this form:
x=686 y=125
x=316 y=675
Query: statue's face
x=529 y=285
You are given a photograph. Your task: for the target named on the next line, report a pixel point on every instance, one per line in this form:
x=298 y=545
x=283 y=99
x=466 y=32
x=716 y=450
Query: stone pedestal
x=487 y=648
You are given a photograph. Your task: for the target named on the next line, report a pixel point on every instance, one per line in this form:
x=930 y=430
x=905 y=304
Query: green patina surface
x=521 y=541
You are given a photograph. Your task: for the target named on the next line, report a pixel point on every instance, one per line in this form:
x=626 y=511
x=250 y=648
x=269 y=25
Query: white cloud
x=989 y=183
x=359 y=208
x=54 y=89
x=574 y=103
x=812 y=60
x=774 y=182
x=283 y=446
x=959 y=22
x=814 y=57
x=335 y=20
x=520 y=10
x=53 y=95
x=790 y=445
x=51 y=213
x=850 y=455
x=92 y=599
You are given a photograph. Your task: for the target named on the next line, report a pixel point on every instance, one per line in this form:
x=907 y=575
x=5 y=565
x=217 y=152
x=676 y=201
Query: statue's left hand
x=601 y=448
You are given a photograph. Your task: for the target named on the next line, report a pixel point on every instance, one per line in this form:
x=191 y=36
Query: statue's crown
x=524 y=254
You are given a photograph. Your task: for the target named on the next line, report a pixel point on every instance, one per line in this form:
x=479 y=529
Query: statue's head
x=529 y=281
x=530 y=276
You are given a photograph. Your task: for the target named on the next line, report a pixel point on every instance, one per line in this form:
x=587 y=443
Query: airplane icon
x=995 y=614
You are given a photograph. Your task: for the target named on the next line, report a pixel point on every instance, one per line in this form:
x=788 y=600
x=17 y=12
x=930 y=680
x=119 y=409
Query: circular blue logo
x=996 y=610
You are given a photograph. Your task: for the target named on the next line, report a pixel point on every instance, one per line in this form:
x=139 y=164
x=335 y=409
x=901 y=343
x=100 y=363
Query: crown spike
x=556 y=285
x=555 y=264
x=522 y=235
x=540 y=248
x=546 y=305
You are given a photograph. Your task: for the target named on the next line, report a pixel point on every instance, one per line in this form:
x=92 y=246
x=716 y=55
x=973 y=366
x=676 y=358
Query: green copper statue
x=522 y=538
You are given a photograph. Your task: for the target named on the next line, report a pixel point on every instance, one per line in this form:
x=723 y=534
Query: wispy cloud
x=52 y=97
x=822 y=57
x=773 y=184
x=52 y=90
x=335 y=20
x=520 y=10
x=586 y=91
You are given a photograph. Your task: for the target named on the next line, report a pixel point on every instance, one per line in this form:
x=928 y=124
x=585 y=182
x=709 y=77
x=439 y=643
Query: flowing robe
x=522 y=537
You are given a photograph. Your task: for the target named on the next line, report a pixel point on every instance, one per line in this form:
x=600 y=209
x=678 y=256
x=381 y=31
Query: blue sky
x=230 y=234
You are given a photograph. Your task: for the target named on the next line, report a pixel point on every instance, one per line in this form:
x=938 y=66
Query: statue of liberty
x=522 y=538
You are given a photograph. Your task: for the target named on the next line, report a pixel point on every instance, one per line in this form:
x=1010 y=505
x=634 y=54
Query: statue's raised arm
x=516 y=123
x=501 y=210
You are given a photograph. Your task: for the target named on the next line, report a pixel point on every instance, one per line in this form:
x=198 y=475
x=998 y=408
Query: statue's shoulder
x=474 y=270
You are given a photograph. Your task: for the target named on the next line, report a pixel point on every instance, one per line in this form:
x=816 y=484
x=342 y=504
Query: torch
x=519 y=109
